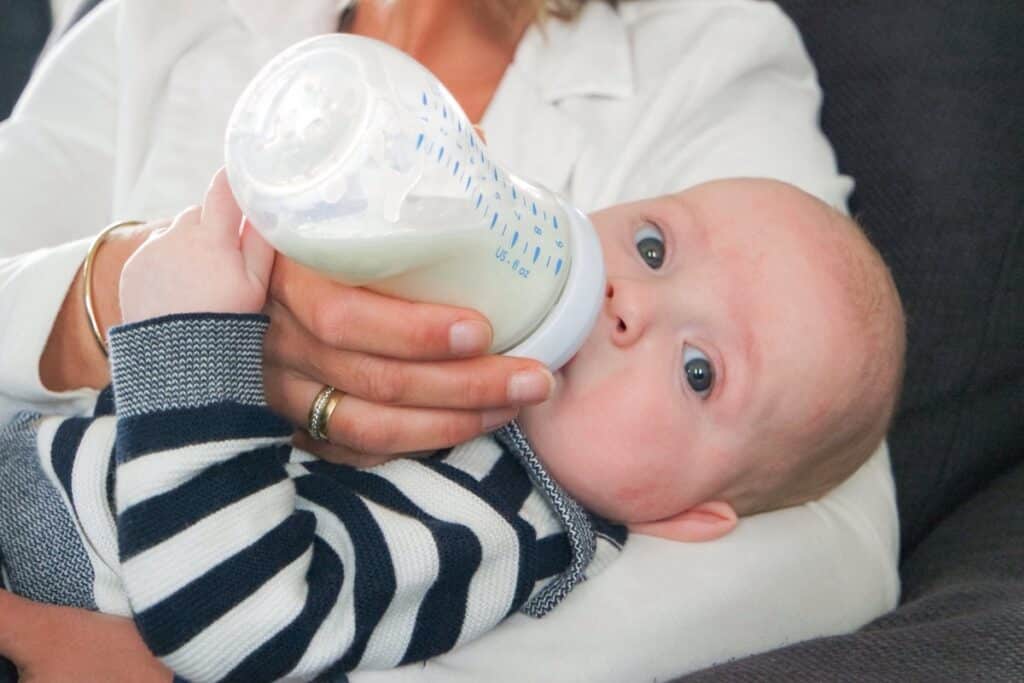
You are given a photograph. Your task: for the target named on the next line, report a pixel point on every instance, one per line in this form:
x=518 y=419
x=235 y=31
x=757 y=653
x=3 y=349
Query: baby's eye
x=700 y=374
x=650 y=244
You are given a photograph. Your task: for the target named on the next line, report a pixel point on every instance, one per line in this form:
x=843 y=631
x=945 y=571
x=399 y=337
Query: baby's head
x=748 y=357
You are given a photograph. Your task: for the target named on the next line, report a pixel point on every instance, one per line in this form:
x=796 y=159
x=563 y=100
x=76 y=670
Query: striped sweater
x=181 y=503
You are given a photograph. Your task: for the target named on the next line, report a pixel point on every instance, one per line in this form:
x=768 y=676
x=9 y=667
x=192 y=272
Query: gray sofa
x=24 y=27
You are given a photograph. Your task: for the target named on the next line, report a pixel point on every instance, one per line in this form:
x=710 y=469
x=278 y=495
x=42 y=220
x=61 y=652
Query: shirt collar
x=588 y=56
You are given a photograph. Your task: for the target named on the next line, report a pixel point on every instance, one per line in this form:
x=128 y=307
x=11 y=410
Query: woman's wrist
x=88 y=266
x=107 y=267
x=71 y=358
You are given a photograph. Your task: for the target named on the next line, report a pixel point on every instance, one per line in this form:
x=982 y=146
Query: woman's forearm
x=91 y=646
x=71 y=358
x=20 y=621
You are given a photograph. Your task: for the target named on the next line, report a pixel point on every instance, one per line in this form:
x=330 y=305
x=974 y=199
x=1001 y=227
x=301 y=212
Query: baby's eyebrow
x=685 y=222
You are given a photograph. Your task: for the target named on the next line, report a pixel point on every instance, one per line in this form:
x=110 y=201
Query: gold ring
x=327 y=399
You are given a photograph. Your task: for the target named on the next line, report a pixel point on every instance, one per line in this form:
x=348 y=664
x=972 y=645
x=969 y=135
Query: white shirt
x=126 y=117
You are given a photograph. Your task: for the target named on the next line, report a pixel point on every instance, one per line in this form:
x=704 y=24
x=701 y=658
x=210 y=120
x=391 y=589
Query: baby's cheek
x=612 y=445
x=648 y=468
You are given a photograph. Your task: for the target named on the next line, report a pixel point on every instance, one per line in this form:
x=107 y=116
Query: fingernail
x=530 y=386
x=468 y=336
x=492 y=419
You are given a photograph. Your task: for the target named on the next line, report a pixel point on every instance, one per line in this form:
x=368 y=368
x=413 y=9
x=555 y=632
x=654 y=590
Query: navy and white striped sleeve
x=213 y=550
x=245 y=561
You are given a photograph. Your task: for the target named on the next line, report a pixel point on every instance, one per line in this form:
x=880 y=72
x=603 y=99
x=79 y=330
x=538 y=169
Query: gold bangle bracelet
x=90 y=258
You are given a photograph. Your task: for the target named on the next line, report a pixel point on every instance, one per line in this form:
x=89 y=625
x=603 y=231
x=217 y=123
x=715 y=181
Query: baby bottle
x=351 y=158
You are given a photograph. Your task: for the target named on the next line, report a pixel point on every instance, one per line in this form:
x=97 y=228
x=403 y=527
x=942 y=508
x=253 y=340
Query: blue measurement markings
x=489 y=173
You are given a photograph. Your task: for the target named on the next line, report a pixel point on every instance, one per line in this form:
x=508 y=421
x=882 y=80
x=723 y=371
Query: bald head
x=821 y=437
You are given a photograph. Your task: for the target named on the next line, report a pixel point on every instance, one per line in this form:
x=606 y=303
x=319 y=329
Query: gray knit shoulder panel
x=42 y=552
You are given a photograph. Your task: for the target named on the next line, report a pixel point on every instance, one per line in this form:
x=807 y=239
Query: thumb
x=221 y=215
x=257 y=255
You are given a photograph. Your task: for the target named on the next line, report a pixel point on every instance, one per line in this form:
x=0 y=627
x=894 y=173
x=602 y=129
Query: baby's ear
x=704 y=522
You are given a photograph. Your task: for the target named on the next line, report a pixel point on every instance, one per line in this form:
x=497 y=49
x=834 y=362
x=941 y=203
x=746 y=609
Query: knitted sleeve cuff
x=187 y=361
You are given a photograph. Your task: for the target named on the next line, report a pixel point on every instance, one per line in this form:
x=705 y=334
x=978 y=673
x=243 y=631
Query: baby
x=747 y=358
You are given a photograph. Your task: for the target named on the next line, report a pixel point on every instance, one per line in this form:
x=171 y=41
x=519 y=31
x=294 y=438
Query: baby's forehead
x=769 y=199
x=673 y=201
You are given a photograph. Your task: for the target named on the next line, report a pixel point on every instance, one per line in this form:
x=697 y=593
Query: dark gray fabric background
x=24 y=26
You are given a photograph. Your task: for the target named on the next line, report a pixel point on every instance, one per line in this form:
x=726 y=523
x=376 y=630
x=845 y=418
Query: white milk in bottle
x=351 y=158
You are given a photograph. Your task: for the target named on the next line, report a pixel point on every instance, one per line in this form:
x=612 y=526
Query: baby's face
x=717 y=342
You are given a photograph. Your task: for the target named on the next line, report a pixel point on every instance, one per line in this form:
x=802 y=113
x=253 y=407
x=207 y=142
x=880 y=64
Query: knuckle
x=327 y=320
x=477 y=389
x=188 y=215
x=458 y=429
x=384 y=382
x=422 y=336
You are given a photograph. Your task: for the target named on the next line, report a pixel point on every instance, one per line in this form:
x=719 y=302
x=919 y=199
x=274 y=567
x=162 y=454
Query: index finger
x=357 y=319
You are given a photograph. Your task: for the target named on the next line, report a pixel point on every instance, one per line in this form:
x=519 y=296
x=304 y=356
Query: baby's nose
x=626 y=313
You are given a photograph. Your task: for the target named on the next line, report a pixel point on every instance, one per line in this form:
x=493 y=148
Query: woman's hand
x=57 y=644
x=412 y=373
